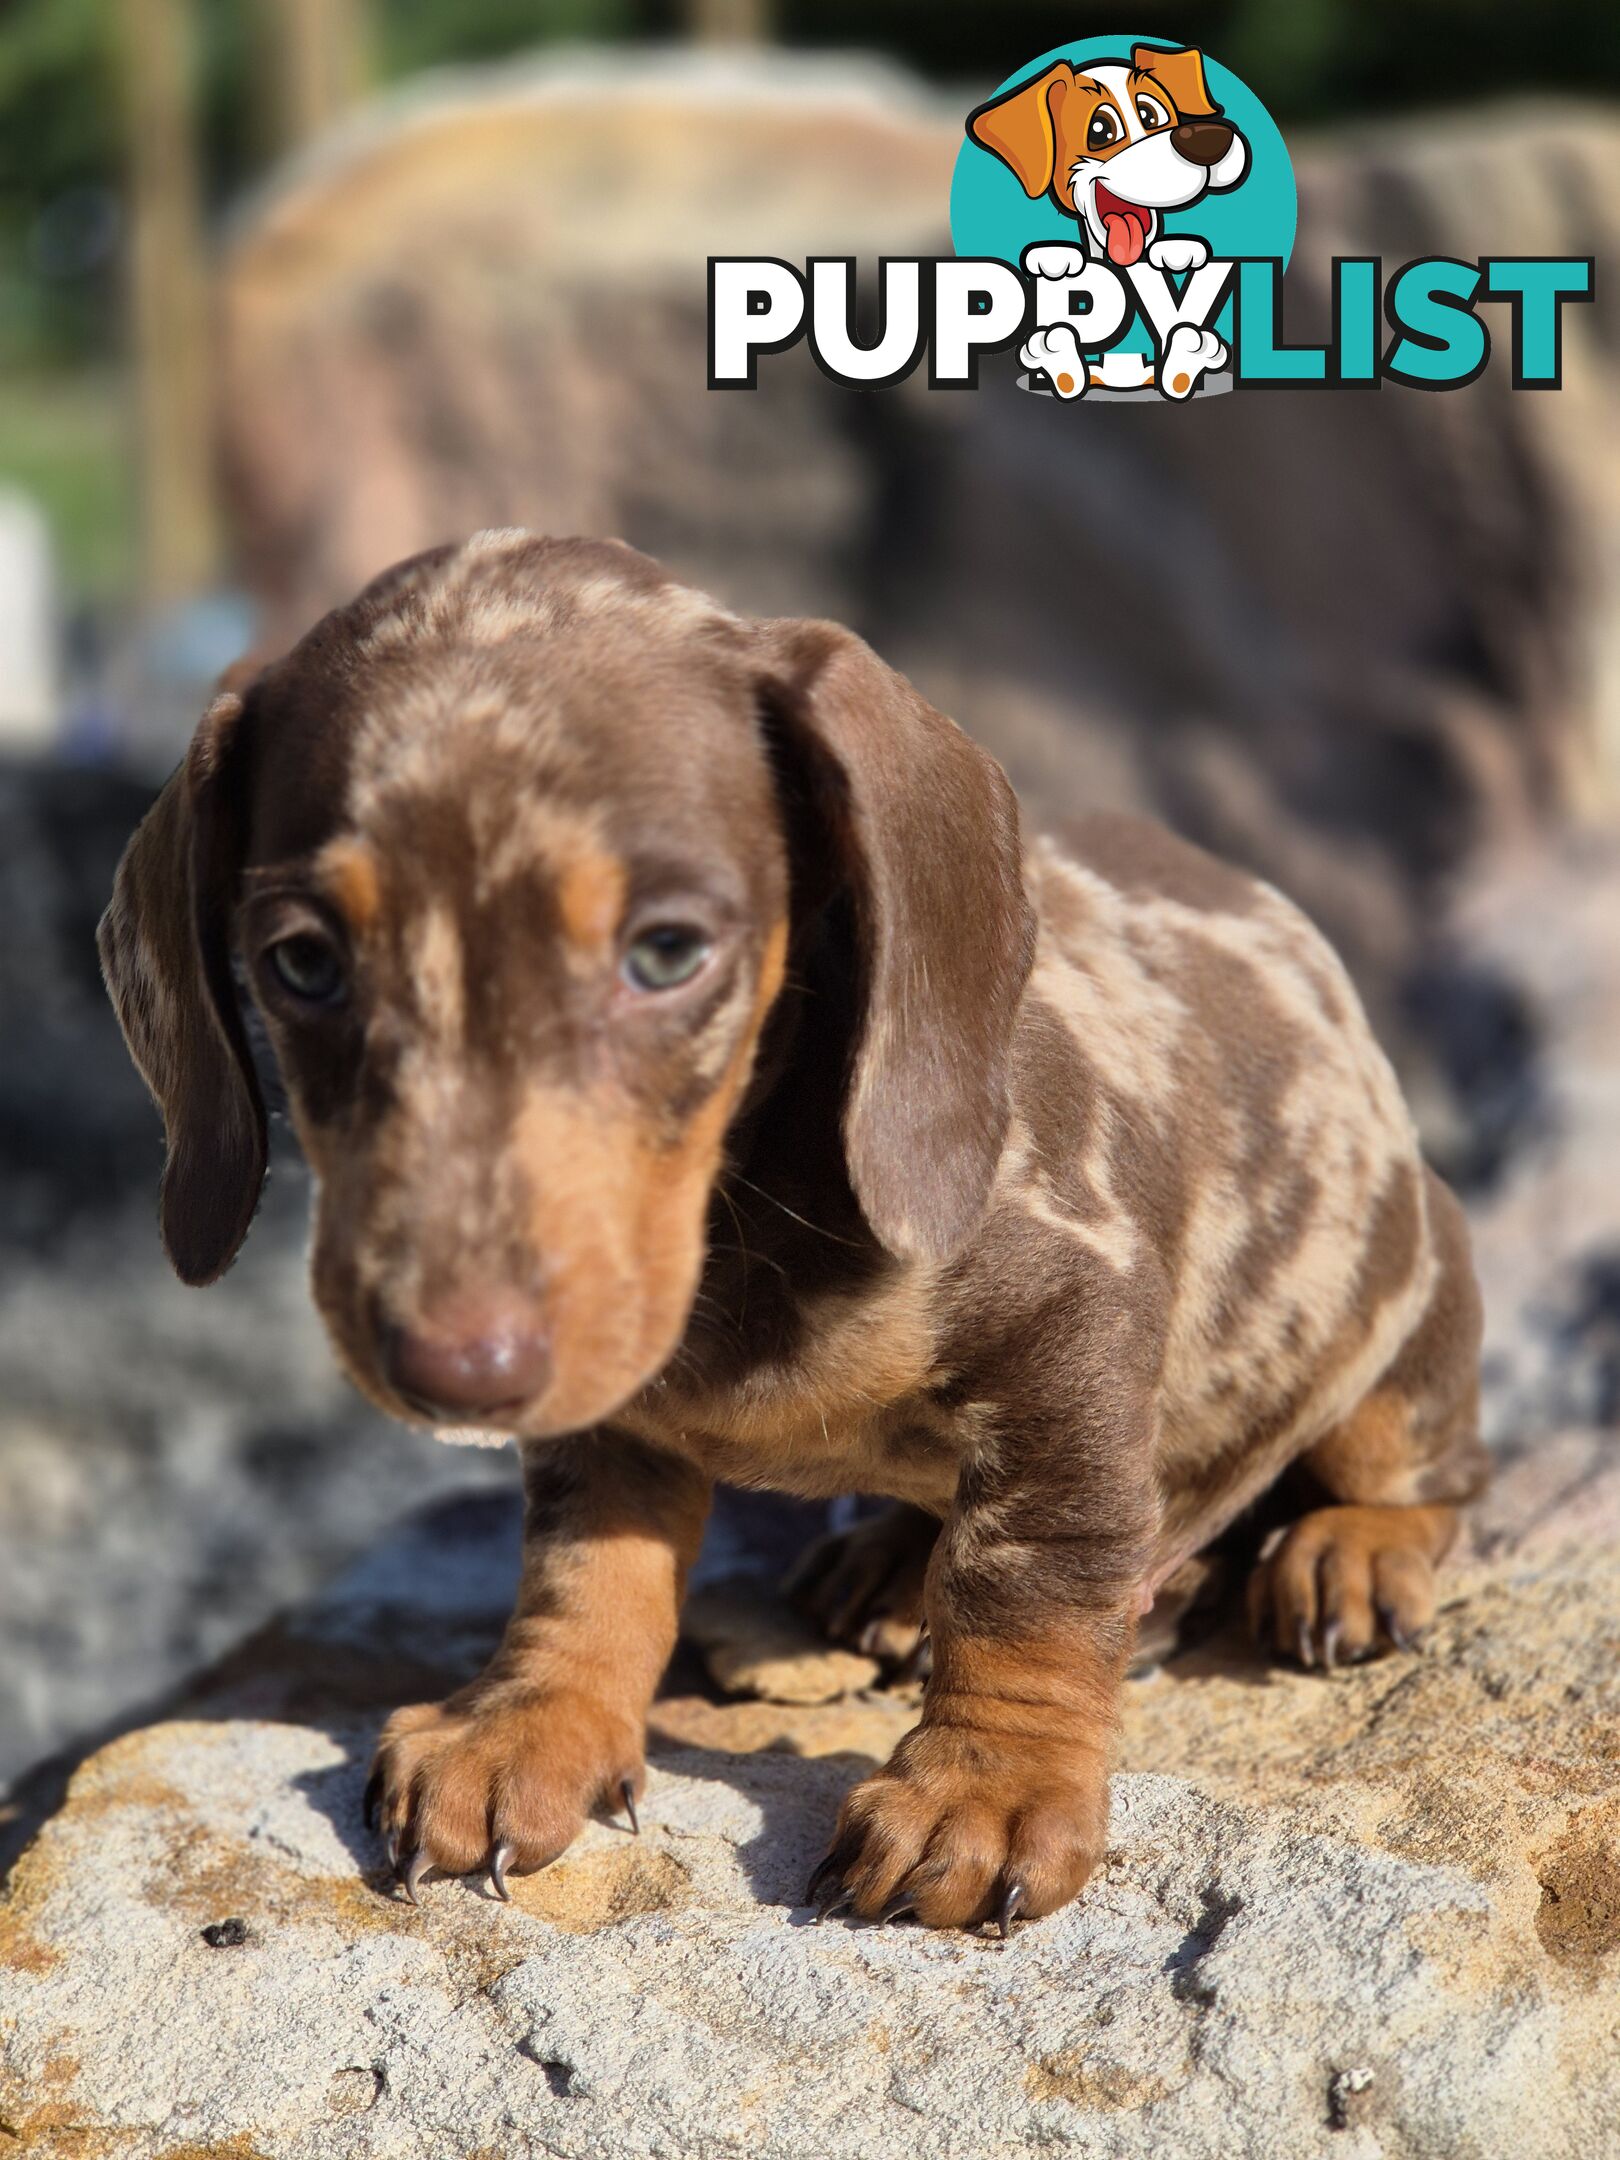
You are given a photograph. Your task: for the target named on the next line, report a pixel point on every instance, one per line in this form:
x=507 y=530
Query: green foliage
x=62 y=441
x=55 y=89
x=416 y=34
x=60 y=123
x=56 y=85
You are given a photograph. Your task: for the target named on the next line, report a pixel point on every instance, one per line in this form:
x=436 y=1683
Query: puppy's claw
x=833 y=1907
x=826 y=1871
x=627 y=1795
x=898 y=1907
x=1012 y=1902
x=1304 y=1648
x=499 y=1861
x=391 y=1848
x=411 y=1879
x=1330 y=1646
x=1399 y=1634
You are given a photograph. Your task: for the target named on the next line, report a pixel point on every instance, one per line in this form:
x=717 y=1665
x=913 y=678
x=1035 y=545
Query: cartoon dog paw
x=1056 y=353
x=1054 y=259
x=1189 y=354
x=1178 y=252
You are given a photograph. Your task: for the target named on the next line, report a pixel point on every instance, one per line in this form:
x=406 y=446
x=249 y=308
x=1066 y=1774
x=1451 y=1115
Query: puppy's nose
x=480 y=1360
x=1203 y=142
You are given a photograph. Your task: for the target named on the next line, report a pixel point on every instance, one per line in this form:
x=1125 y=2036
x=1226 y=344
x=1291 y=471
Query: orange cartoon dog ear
x=1021 y=128
x=1179 y=74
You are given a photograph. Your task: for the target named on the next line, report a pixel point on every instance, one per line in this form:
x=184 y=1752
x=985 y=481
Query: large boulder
x=484 y=304
x=1375 y=1914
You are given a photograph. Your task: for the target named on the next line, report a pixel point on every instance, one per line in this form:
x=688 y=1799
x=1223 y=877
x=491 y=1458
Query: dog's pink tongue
x=1125 y=237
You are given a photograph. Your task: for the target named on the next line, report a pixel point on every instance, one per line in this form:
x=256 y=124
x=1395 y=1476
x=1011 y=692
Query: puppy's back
x=1241 y=1114
x=1192 y=979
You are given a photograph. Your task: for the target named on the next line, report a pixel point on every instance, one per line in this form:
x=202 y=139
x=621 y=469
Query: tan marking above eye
x=348 y=871
x=590 y=896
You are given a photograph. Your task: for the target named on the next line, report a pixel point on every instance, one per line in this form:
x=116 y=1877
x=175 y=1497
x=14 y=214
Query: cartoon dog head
x=1116 y=146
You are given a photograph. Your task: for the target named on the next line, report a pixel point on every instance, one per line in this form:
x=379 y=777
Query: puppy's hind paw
x=864 y=1586
x=1056 y=354
x=1343 y=1584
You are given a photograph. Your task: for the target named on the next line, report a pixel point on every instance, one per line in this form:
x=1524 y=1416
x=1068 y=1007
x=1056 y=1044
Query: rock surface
x=753 y=1644
x=1373 y=1915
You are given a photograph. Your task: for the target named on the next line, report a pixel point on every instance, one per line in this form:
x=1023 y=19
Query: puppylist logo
x=1123 y=211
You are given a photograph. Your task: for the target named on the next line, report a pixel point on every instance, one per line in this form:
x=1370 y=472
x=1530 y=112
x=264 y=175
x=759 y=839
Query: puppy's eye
x=308 y=968
x=665 y=957
x=1151 y=113
x=1104 y=128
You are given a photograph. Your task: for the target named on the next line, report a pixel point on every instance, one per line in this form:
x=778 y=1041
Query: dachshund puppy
x=702 y=1079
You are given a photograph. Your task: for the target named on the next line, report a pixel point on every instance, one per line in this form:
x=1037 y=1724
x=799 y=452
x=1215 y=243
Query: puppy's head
x=501 y=853
x=1117 y=145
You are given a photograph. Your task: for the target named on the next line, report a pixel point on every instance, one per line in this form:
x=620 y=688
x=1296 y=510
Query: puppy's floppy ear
x=1021 y=128
x=1180 y=75
x=923 y=828
x=165 y=952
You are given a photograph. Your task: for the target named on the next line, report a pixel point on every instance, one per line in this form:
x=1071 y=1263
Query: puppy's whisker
x=754 y=1259
x=742 y=1241
x=804 y=1222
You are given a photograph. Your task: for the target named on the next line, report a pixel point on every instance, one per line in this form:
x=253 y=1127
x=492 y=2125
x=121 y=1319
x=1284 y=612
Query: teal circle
x=991 y=214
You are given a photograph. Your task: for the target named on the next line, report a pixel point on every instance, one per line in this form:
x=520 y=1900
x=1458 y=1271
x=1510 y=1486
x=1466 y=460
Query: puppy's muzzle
x=486 y=1361
x=1203 y=142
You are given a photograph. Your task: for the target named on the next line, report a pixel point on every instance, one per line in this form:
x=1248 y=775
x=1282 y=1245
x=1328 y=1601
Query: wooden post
x=317 y=61
x=171 y=329
x=730 y=22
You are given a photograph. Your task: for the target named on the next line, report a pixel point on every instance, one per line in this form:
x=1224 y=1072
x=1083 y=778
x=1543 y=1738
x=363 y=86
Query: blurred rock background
x=282 y=299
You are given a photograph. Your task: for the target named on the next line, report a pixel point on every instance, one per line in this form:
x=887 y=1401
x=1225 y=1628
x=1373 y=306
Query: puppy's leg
x=505 y=1771
x=1346 y=1581
x=996 y=1805
x=864 y=1586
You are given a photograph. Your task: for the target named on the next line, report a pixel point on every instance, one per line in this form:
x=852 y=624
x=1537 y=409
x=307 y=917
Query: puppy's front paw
x=1178 y=252
x=962 y=1827
x=503 y=1781
x=1054 y=259
x=1056 y=353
